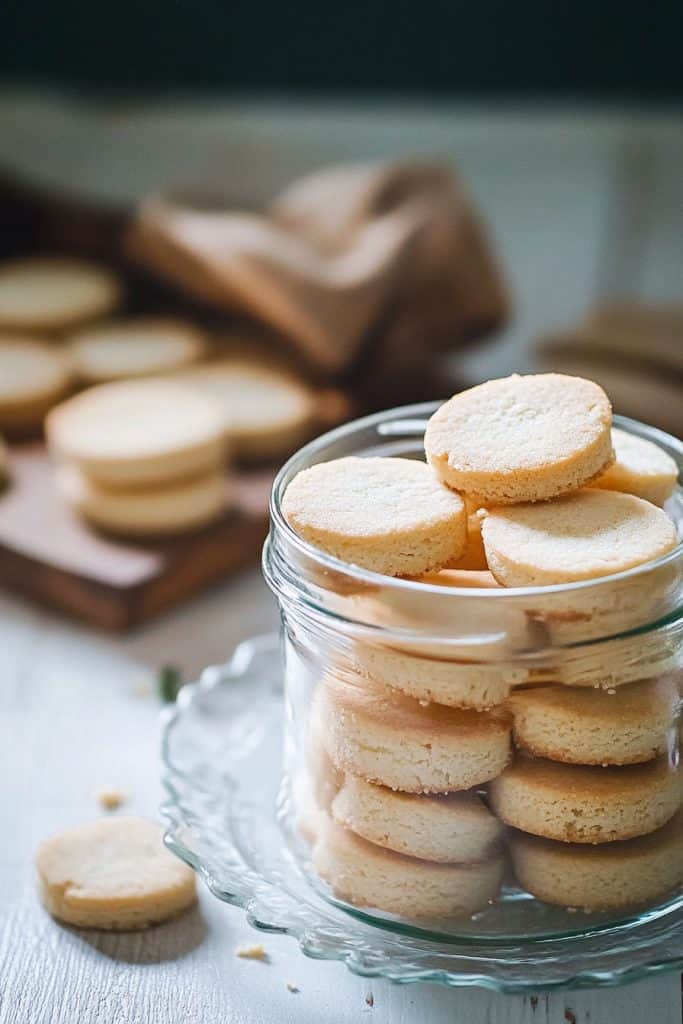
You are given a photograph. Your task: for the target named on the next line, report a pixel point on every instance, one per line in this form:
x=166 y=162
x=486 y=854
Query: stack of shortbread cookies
x=424 y=770
x=59 y=333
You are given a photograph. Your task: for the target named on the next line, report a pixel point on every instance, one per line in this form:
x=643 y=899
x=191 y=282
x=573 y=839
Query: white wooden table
x=73 y=712
x=74 y=716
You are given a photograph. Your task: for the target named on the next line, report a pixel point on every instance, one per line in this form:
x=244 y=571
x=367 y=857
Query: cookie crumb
x=110 y=798
x=255 y=951
x=291 y=987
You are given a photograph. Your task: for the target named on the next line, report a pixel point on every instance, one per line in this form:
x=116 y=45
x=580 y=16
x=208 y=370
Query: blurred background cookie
x=138 y=433
x=134 y=347
x=268 y=412
x=173 y=508
x=34 y=376
x=53 y=294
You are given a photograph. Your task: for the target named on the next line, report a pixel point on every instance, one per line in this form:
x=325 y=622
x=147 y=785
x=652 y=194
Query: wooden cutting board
x=48 y=553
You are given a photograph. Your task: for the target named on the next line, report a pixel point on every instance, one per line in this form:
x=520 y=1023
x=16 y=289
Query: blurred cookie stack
x=143 y=414
x=428 y=761
x=634 y=350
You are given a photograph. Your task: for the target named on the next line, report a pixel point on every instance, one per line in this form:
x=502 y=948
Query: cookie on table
x=54 y=294
x=520 y=439
x=581 y=536
x=160 y=512
x=638 y=871
x=268 y=413
x=390 y=516
x=586 y=804
x=367 y=875
x=136 y=433
x=33 y=377
x=135 y=347
x=640 y=467
x=454 y=829
x=383 y=736
x=114 y=874
x=592 y=726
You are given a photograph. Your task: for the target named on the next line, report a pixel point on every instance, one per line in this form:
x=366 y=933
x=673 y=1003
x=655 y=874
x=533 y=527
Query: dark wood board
x=48 y=553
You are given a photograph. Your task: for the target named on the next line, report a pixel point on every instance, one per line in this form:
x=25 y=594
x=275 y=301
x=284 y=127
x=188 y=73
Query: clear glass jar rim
x=413 y=415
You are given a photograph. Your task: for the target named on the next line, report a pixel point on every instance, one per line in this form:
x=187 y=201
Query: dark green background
x=612 y=50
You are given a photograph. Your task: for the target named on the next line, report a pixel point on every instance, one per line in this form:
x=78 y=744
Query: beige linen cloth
x=387 y=255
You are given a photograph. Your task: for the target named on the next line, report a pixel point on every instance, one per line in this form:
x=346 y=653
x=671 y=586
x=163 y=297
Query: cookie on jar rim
x=388 y=515
x=521 y=438
x=583 y=536
x=641 y=467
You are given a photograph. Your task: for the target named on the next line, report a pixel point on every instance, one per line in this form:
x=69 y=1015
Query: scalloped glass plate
x=222 y=750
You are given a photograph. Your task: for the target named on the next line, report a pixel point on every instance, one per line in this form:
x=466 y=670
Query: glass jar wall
x=467 y=759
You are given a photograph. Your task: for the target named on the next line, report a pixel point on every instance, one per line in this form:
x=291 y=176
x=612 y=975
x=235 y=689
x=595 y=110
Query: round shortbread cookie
x=601 y=877
x=174 y=508
x=433 y=672
x=393 y=740
x=366 y=875
x=586 y=804
x=391 y=516
x=581 y=536
x=52 y=294
x=591 y=726
x=479 y=579
x=325 y=778
x=267 y=413
x=135 y=433
x=33 y=376
x=474 y=558
x=137 y=347
x=433 y=677
x=641 y=468
x=520 y=439
x=114 y=874
x=454 y=829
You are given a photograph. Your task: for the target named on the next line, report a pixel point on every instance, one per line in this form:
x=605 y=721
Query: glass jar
x=468 y=760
